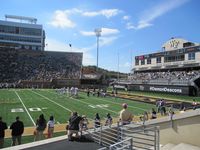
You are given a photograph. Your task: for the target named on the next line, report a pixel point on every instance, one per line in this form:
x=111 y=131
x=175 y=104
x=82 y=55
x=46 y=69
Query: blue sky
x=129 y=27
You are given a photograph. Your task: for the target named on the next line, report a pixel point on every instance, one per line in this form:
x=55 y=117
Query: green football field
x=28 y=104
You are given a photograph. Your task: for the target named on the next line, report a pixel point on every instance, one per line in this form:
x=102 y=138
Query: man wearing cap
x=125 y=116
x=17 y=128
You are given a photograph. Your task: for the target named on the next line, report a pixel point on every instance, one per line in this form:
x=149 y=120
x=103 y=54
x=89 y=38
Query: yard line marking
x=98 y=107
x=52 y=101
x=121 y=104
x=88 y=103
x=25 y=108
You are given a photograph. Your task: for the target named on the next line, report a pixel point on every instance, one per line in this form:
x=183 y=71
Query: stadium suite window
x=191 y=56
x=143 y=62
x=149 y=61
x=158 y=60
x=137 y=62
x=174 y=58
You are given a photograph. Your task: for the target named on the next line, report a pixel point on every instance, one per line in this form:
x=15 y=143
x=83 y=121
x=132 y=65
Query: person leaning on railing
x=125 y=116
x=97 y=121
x=83 y=124
x=73 y=128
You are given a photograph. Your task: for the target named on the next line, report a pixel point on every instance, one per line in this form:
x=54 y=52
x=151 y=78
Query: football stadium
x=161 y=93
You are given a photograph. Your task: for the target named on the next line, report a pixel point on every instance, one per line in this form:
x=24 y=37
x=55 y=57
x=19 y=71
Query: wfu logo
x=174 y=43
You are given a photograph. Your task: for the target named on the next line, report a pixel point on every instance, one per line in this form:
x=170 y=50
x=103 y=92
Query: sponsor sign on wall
x=182 y=90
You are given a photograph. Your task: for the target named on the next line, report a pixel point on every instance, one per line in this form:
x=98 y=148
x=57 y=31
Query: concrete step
x=168 y=146
x=181 y=146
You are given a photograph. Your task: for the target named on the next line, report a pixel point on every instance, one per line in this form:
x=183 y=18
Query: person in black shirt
x=3 y=127
x=41 y=125
x=153 y=114
x=74 y=121
x=17 y=128
x=97 y=121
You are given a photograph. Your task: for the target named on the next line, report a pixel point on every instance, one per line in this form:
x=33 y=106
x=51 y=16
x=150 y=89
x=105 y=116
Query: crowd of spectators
x=168 y=75
x=31 y=65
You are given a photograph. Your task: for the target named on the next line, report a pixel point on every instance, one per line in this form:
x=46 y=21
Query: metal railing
x=144 y=137
x=124 y=144
x=132 y=136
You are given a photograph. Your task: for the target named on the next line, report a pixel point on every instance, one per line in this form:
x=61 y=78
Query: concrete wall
x=184 y=128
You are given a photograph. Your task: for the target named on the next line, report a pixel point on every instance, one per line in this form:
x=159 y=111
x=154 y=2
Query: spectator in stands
x=97 y=121
x=153 y=114
x=3 y=127
x=125 y=116
x=40 y=127
x=74 y=122
x=50 y=125
x=84 y=124
x=109 y=120
x=17 y=128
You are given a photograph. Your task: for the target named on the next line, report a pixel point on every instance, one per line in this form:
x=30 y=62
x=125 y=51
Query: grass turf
x=48 y=102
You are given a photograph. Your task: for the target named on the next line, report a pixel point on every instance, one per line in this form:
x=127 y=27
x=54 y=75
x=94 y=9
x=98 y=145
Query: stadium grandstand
x=30 y=67
x=176 y=69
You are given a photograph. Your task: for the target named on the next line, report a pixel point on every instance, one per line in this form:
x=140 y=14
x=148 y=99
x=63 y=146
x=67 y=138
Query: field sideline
x=28 y=104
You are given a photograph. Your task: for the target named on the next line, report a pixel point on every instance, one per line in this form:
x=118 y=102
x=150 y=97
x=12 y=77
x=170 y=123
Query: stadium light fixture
x=98 y=34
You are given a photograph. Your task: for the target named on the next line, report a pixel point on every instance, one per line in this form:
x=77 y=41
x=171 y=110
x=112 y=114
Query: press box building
x=176 y=53
x=21 y=33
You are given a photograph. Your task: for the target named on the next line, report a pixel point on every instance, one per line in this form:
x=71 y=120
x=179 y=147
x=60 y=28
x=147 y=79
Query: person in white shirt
x=50 y=126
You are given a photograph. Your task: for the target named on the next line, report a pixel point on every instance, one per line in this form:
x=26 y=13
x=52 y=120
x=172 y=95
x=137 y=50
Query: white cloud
x=143 y=24
x=129 y=25
x=87 y=33
x=108 y=13
x=151 y=14
x=109 y=31
x=126 y=17
x=104 y=32
x=61 y=20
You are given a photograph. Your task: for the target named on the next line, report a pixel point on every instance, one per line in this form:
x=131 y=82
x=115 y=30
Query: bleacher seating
x=164 y=78
x=16 y=65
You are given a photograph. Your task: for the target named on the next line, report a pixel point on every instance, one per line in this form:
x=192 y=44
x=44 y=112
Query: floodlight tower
x=98 y=34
